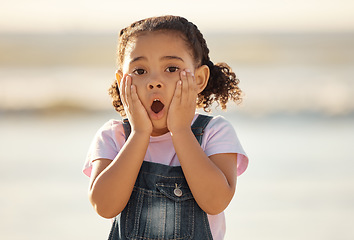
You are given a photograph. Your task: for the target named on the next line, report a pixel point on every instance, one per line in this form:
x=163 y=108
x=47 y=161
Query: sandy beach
x=299 y=183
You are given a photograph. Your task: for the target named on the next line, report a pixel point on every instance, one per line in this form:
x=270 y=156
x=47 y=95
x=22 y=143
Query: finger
x=191 y=80
x=178 y=92
x=191 y=95
x=190 y=91
x=134 y=94
x=121 y=82
x=185 y=85
x=122 y=91
x=192 y=85
x=127 y=88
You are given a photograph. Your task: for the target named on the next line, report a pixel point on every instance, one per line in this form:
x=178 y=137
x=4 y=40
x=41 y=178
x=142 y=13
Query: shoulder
x=112 y=124
x=111 y=134
x=111 y=127
x=219 y=120
x=219 y=123
x=219 y=137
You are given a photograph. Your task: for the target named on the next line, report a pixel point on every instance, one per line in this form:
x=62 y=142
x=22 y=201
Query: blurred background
x=295 y=61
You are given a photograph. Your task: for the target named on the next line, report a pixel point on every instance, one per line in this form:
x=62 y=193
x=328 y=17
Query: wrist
x=182 y=131
x=142 y=133
x=180 y=127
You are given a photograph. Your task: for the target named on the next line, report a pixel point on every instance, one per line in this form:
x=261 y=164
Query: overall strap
x=199 y=125
x=127 y=128
x=197 y=128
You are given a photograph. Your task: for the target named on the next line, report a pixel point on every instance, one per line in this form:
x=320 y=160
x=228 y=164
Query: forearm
x=111 y=190
x=209 y=185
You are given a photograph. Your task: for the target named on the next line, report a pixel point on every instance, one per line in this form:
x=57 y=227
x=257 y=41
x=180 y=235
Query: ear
x=119 y=76
x=201 y=75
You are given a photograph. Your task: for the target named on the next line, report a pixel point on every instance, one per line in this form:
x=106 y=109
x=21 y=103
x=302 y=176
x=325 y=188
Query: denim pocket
x=160 y=214
x=169 y=190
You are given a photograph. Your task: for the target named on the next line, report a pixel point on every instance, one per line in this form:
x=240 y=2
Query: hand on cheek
x=136 y=113
x=183 y=104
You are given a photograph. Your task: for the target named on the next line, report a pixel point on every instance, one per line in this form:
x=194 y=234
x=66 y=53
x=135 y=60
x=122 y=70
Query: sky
x=221 y=15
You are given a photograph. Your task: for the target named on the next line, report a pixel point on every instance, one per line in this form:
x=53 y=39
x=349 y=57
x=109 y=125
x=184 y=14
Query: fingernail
x=187 y=70
x=184 y=73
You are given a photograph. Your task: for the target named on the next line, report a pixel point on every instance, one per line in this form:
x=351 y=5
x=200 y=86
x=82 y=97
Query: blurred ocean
x=283 y=72
x=295 y=123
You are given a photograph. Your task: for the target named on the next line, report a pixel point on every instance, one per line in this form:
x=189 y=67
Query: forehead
x=157 y=43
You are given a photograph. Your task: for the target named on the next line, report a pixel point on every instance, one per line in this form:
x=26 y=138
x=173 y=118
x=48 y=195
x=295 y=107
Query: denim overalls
x=161 y=205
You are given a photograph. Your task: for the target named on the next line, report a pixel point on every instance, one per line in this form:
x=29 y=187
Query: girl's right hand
x=136 y=113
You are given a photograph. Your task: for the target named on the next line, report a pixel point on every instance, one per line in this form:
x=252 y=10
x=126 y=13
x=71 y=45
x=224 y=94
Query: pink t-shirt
x=219 y=137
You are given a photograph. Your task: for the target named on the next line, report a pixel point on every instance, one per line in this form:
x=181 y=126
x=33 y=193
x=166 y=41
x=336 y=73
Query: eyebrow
x=137 y=59
x=172 y=57
x=162 y=58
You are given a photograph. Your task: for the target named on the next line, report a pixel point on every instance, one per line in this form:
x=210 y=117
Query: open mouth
x=157 y=106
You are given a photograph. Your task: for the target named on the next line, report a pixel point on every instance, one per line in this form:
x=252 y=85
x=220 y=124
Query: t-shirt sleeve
x=107 y=142
x=220 y=137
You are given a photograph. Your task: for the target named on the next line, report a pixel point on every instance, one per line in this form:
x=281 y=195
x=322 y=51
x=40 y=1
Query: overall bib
x=161 y=205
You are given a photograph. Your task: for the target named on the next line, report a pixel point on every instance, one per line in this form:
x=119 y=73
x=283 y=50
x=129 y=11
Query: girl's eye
x=139 y=71
x=172 y=69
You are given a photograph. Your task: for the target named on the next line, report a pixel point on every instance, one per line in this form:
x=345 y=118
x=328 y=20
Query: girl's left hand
x=182 y=109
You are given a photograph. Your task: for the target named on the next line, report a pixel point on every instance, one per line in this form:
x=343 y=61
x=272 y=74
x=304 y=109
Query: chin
x=160 y=127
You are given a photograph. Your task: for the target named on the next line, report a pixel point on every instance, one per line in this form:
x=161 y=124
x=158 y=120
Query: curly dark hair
x=223 y=83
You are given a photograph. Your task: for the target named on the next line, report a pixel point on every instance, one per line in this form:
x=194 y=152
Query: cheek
x=172 y=79
x=170 y=88
x=140 y=87
x=139 y=82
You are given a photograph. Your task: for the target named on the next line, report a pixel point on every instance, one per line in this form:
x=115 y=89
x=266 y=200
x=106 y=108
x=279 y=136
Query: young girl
x=166 y=172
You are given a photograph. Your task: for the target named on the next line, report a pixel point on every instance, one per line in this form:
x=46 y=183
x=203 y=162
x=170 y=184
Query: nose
x=155 y=82
x=157 y=85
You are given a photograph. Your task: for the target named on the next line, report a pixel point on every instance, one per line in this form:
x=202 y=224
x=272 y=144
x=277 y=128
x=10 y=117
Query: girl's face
x=155 y=61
